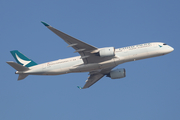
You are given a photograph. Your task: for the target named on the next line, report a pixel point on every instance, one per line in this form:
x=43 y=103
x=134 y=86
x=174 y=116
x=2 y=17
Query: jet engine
x=106 y=52
x=117 y=74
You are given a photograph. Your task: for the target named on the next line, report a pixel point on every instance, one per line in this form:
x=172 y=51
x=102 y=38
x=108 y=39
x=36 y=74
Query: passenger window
x=164 y=44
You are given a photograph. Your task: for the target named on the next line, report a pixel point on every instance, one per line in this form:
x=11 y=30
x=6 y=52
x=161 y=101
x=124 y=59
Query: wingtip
x=45 y=24
x=79 y=87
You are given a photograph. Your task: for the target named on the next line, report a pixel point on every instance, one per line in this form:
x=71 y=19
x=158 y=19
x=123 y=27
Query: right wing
x=85 y=50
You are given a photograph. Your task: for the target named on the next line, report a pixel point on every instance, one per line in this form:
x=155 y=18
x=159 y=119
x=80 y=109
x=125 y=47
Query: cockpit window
x=164 y=44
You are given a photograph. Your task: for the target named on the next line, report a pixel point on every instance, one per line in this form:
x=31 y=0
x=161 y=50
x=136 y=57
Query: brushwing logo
x=24 y=62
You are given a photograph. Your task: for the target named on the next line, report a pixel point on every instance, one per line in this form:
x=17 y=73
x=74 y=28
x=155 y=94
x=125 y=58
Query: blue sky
x=151 y=89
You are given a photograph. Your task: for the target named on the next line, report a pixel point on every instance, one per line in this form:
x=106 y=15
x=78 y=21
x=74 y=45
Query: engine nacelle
x=117 y=74
x=107 y=52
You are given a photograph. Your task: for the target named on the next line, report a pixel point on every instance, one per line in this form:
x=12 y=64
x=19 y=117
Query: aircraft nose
x=171 y=49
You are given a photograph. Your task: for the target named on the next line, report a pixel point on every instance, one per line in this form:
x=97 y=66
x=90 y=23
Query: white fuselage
x=122 y=55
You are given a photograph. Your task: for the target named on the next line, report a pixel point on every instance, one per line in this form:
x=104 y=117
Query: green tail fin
x=22 y=59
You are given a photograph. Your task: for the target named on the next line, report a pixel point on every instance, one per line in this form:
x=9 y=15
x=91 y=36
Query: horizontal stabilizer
x=22 y=76
x=17 y=66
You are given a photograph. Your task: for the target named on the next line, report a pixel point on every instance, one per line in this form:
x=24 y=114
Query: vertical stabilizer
x=22 y=59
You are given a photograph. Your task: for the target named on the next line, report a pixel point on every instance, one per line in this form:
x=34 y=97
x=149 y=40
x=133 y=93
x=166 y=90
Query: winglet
x=45 y=24
x=79 y=87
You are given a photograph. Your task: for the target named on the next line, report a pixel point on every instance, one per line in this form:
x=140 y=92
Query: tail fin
x=19 y=67
x=22 y=59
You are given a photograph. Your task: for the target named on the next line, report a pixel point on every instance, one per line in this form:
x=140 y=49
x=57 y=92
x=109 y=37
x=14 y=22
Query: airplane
x=99 y=62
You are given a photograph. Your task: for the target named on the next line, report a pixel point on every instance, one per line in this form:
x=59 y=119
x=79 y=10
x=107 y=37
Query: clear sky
x=151 y=89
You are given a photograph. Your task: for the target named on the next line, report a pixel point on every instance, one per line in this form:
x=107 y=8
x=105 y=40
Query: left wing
x=93 y=79
x=84 y=49
x=95 y=76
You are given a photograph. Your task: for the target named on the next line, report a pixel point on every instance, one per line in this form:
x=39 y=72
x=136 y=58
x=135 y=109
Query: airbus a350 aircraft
x=99 y=62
